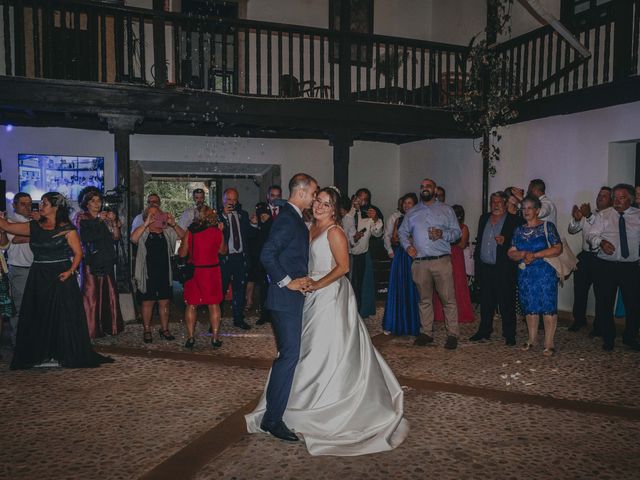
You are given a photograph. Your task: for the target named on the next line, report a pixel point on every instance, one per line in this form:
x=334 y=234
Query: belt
x=207 y=266
x=432 y=258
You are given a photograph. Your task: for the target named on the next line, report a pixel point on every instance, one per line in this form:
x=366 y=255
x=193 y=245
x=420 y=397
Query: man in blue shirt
x=427 y=233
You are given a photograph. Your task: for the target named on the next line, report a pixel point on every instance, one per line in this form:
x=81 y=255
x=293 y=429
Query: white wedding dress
x=344 y=399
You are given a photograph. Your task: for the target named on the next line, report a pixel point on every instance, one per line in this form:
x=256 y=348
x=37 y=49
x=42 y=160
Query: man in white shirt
x=585 y=274
x=153 y=200
x=359 y=225
x=548 y=213
x=20 y=256
x=616 y=232
x=388 y=228
x=191 y=213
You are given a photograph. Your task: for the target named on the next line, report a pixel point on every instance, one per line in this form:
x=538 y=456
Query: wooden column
x=622 y=40
x=122 y=126
x=492 y=12
x=344 y=70
x=341 y=143
x=159 y=54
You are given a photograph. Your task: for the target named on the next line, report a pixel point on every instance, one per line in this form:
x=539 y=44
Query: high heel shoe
x=549 y=352
x=216 y=343
x=190 y=343
x=146 y=336
x=166 y=334
x=527 y=346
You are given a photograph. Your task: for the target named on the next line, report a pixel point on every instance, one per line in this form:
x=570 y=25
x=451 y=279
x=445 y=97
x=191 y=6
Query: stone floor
x=482 y=411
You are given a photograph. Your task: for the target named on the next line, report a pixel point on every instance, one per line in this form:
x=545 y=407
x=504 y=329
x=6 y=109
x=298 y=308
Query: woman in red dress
x=463 y=297
x=201 y=244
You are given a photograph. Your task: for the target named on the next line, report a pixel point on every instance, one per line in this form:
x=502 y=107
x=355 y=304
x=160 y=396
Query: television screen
x=66 y=174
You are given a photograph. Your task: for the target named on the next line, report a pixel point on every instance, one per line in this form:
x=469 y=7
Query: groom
x=285 y=257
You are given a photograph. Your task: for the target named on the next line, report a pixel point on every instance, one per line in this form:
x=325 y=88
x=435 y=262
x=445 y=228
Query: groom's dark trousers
x=285 y=254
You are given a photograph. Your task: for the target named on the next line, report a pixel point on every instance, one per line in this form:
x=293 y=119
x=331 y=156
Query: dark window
x=579 y=13
x=361 y=22
x=210 y=8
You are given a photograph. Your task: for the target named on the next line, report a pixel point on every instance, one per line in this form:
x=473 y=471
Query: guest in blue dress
x=537 y=280
x=401 y=315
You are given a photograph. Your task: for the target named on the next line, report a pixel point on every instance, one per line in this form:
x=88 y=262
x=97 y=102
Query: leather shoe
x=241 y=324
x=510 y=341
x=607 y=346
x=576 y=326
x=451 y=343
x=422 y=340
x=632 y=344
x=478 y=337
x=594 y=333
x=280 y=430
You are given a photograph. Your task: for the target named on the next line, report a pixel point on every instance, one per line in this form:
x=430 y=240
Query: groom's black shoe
x=280 y=430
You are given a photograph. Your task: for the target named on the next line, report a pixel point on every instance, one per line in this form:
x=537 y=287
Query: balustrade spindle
x=607 y=53
x=596 y=56
x=35 y=23
x=258 y=63
x=141 y=45
x=269 y=65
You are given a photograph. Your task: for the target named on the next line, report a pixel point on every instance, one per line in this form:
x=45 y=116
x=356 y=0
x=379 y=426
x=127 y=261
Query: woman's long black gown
x=52 y=322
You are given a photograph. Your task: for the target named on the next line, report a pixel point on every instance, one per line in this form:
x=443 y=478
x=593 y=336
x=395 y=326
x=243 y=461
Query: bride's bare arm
x=340 y=250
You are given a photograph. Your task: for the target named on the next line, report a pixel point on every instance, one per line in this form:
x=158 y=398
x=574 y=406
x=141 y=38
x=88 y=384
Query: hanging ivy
x=486 y=103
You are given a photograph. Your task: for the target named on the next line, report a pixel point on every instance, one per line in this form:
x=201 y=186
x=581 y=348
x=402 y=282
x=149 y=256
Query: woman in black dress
x=53 y=326
x=156 y=239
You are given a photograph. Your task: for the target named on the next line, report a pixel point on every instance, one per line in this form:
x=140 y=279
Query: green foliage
x=174 y=194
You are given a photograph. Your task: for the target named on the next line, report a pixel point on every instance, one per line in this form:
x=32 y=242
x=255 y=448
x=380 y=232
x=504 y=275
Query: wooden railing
x=541 y=63
x=84 y=40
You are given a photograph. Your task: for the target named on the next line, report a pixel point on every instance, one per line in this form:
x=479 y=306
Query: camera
x=35 y=206
x=112 y=199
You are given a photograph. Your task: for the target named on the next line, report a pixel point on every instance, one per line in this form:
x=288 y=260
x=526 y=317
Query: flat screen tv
x=66 y=174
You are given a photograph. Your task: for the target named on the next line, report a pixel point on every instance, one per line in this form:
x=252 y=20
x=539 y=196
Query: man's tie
x=622 y=228
x=236 y=233
x=274 y=212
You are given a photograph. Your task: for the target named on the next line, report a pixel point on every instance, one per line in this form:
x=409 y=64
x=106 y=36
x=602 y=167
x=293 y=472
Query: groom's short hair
x=300 y=180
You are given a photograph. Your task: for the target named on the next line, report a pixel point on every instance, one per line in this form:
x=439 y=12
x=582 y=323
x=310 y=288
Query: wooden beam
x=178 y=105
x=341 y=142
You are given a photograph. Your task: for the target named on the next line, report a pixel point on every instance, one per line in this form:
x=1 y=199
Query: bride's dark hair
x=334 y=201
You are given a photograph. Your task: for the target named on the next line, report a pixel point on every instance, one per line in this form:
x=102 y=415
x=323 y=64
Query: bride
x=345 y=399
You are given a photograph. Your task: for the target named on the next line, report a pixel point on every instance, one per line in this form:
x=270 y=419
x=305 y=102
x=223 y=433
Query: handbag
x=565 y=263
x=182 y=270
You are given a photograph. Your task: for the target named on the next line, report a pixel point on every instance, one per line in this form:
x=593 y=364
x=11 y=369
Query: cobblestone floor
x=115 y=422
x=124 y=419
x=457 y=437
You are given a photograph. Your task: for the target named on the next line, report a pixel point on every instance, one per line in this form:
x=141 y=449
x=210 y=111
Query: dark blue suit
x=235 y=267
x=286 y=252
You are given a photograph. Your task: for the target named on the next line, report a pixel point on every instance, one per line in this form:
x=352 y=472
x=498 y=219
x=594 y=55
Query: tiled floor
x=136 y=415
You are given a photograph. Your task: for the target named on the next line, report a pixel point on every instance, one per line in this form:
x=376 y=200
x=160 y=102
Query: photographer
x=99 y=230
x=191 y=214
x=156 y=239
x=237 y=235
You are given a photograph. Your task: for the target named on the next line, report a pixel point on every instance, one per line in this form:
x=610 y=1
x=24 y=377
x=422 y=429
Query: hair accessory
x=335 y=189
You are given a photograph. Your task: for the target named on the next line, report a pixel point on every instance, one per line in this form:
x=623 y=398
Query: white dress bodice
x=321 y=259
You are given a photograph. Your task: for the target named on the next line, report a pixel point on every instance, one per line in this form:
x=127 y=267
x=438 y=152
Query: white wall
x=373 y=165
x=570 y=153
x=401 y=18
x=376 y=166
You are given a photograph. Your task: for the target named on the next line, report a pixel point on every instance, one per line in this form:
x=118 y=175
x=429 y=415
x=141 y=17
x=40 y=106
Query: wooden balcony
x=64 y=45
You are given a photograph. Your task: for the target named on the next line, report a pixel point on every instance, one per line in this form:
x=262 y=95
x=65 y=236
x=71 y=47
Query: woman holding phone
x=156 y=239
